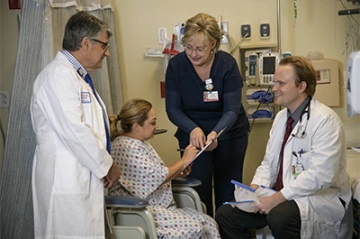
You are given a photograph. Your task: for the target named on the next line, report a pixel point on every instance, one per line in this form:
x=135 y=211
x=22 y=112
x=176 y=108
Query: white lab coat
x=318 y=188
x=70 y=156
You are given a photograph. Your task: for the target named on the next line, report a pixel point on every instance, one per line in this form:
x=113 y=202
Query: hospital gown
x=142 y=175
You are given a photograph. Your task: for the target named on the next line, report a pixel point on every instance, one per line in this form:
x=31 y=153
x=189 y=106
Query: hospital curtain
x=42 y=24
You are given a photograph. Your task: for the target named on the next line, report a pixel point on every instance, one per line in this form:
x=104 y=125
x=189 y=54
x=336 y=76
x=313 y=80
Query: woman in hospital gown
x=145 y=175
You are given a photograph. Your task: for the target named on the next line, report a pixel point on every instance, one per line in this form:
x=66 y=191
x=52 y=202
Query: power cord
x=2 y=133
x=232 y=51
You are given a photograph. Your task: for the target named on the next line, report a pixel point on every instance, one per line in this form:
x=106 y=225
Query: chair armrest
x=185 y=182
x=125 y=202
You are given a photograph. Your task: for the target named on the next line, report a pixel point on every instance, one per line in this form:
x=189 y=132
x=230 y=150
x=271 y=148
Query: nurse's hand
x=113 y=176
x=197 y=138
x=210 y=138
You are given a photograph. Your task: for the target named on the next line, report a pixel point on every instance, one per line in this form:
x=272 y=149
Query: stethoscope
x=301 y=134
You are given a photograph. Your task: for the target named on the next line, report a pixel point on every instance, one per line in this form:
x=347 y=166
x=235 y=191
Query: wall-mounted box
x=327 y=80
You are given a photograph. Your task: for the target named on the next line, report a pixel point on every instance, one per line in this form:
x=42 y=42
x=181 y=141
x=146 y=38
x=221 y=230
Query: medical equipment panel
x=251 y=60
x=252 y=68
x=268 y=62
x=257 y=97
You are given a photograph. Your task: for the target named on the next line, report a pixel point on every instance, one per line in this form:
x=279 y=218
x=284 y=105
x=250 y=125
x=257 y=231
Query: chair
x=128 y=216
x=185 y=195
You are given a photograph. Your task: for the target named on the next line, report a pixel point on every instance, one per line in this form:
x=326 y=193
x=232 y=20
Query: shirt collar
x=76 y=64
x=298 y=112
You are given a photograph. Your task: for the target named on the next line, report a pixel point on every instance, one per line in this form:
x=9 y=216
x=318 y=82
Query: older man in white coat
x=308 y=168
x=72 y=164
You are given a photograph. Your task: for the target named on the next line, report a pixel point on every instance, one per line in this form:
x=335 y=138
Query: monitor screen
x=269 y=65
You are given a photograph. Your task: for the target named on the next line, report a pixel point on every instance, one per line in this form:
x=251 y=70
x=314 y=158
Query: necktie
x=279 y=182
x=108 y=144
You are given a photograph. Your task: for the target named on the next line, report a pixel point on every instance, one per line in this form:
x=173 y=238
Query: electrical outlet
x=225 y=28
x=265 y=31
x=245 y=31
x=4 y=99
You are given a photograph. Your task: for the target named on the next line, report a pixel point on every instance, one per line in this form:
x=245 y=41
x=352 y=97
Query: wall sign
x=14 y=4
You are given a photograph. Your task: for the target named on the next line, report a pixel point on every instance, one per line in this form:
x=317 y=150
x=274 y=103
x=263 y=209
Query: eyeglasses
x=105 y=45
x=198 y=50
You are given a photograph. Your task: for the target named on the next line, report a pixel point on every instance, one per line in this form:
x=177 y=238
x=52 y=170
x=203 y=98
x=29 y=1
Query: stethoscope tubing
x=305 y=111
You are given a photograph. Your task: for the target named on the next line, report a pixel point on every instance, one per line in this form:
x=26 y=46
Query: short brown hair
x=304 y=71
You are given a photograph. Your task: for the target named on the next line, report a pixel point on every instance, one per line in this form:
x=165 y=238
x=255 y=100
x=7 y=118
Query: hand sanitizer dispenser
x=353 y=84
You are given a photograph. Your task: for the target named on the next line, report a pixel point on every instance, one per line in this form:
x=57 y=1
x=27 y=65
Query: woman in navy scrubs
x=203 y=96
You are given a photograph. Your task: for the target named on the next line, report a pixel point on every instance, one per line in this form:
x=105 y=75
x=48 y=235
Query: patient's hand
x=189 y=154
x=186 y=171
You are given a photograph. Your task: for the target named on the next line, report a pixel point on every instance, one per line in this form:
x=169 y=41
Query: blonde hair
x=133 y=111
x=203 y=25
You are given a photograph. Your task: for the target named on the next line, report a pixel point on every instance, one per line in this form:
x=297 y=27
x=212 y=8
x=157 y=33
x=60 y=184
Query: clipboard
x=208 y=145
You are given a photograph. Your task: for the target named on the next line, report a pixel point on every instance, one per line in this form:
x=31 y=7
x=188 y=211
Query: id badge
x=297 y=169
x=210 y=96
x=85 y=98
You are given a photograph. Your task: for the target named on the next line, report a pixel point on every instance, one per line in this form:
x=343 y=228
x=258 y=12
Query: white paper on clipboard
x=207 y=146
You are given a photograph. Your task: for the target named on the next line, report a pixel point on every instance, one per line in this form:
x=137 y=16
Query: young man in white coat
x=72 y=162
x=313 y=192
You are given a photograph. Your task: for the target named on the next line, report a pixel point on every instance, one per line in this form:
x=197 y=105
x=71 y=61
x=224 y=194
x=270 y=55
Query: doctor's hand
x=113 y=176
x=210 y=138
x=268 y=203
x=254 y=186
x=197 y=138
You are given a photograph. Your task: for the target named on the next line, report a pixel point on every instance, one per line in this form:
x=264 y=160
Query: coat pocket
x=70 y=176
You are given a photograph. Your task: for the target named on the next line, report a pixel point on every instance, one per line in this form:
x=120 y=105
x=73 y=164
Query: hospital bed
x=128 y=217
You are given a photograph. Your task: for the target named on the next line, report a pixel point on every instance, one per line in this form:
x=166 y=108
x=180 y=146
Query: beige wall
x=8 y=47
x=318 y=28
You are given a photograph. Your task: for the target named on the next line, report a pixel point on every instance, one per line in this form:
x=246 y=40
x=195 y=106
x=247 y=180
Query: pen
x=182 y=150
x=301 y=152
x=218 y=135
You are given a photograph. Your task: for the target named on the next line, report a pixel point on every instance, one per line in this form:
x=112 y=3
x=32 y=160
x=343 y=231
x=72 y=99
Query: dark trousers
x=284 y=221
x=221 y=165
